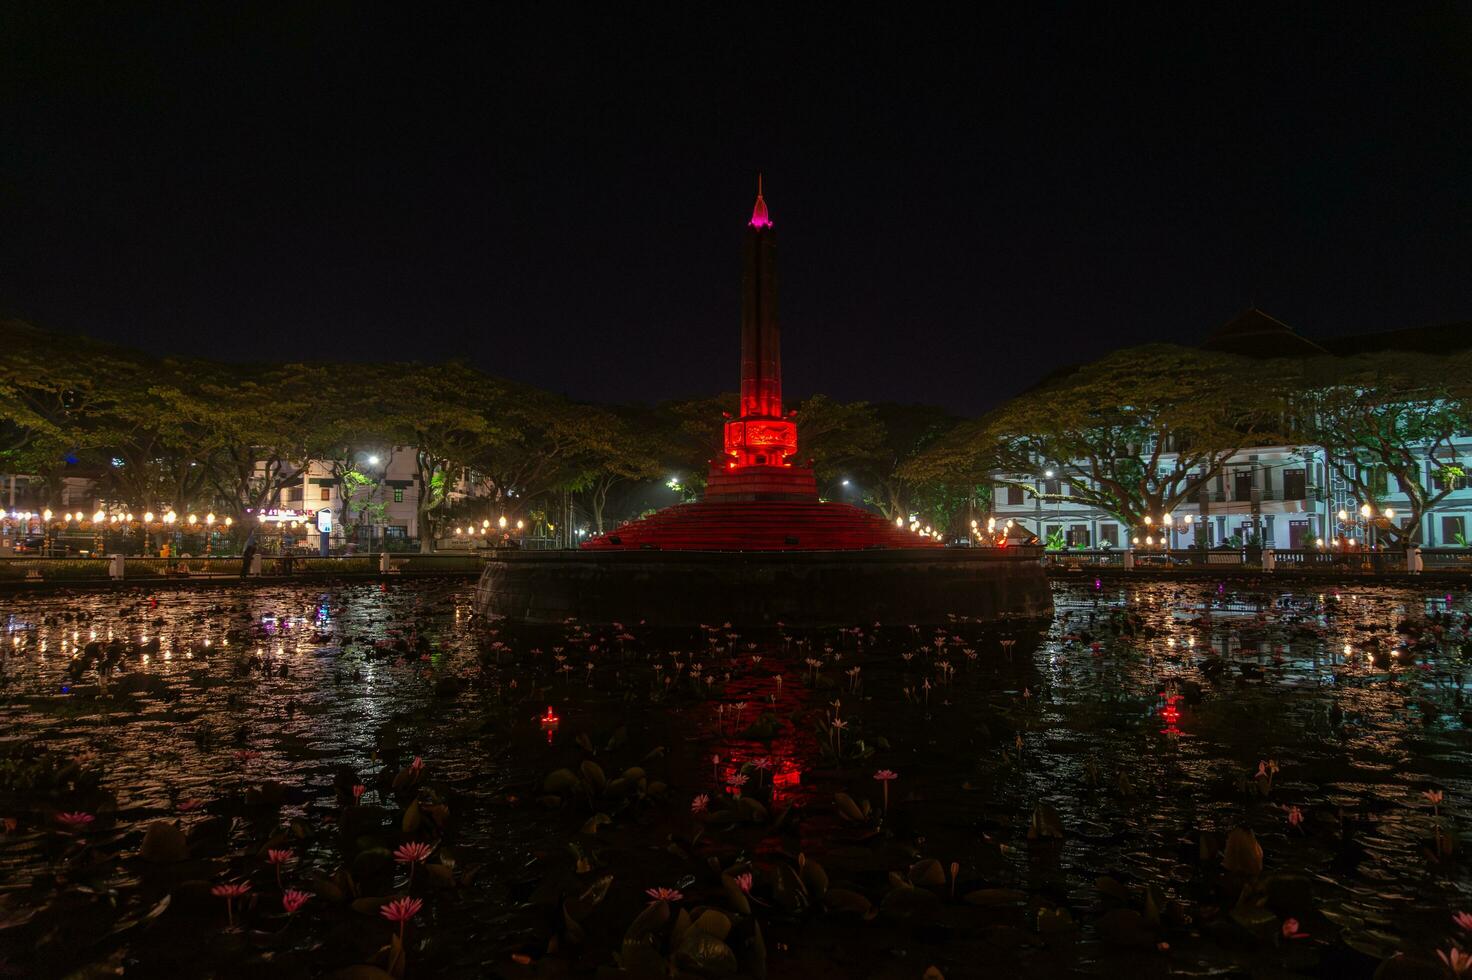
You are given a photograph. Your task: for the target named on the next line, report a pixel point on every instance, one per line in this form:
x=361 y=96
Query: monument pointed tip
x=759 y=218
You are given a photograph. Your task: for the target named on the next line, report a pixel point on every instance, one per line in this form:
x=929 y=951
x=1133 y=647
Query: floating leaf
x=705 y=954
x=713 y=923
x=814 y=878
x=1045 y=823
x=1243 y=853
x=595 y=821
x=928 y=874
x=163 y=843
x=848 y=809
x=560 y=781
x=593 y=773
x=990 y=897
x=844 y=900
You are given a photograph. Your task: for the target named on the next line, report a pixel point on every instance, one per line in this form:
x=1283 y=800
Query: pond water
x=1082 y=796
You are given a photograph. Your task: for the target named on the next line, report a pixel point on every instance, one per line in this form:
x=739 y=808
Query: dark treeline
x=1138 y=432
x=195 y=434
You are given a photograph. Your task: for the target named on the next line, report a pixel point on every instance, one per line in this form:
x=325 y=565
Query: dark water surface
x=1133 y=724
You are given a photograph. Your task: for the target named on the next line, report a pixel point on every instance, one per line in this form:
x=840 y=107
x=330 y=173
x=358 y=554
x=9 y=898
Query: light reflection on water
x=1183 y=711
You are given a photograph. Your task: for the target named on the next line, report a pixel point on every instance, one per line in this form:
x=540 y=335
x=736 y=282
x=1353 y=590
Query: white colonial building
x=1280 y=496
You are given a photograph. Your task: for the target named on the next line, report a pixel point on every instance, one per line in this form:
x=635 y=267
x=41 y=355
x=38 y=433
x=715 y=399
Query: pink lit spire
x=759 y=217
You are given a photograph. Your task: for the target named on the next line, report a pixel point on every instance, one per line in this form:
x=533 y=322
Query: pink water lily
x=358 y=792
x=1291 y=930
x=292 y=900
x=1463 y=921
x=700 y=804
x=1456 y=961
x=277 y=858
x=1295 y=816
x=885 y=777
x=663 y=895
x=230 y=892
x=743 y=881
x=412 y=854
x=75 y=821
x=401 y=910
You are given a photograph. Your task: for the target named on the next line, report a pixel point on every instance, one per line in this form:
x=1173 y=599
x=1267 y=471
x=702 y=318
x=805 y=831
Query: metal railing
x=20 y=571
x=1286 y=559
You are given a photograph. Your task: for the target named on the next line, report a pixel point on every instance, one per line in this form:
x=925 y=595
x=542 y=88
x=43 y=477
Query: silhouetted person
x=245 y=558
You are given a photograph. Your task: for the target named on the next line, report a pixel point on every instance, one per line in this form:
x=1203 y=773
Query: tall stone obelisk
x=761 y=435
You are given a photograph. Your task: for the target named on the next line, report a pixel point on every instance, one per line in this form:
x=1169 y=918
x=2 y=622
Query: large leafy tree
x=1390 y=414
x=59 y=399
x=257 y=428
x=448 y=414
x=841 y=439
x=1137 y=433
x=618 y=454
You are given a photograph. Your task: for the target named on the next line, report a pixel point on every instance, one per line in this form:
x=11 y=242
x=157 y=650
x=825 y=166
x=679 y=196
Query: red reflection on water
x=775 y=765
x=1170 y=714
x=550 y=721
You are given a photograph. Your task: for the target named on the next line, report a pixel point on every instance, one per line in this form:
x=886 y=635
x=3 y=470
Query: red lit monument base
x=923 y=586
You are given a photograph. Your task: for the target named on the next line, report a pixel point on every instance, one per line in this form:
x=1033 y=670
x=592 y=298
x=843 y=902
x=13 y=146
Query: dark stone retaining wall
x=810 y=588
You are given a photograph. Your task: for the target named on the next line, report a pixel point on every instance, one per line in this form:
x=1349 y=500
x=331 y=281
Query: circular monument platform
x=797 y=588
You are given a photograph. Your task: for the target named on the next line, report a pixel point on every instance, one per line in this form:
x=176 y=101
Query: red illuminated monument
x=757 y=498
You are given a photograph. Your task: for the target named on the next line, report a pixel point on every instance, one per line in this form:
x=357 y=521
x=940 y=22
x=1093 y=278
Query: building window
x=1014 y=495
x=1078 y=536
x=398 y=495
x=1053 y=487
x=294 y=494
x=1109 y=535
x=1452 y=530
x=1295 y=485
x=326 y=493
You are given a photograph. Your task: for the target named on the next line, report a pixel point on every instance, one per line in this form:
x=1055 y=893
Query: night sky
x=961 y=206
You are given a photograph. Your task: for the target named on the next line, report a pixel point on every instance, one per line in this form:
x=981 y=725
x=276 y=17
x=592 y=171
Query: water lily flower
x=1456 y=961
x=401 y=910
x=1291 y=930
x=699 y=804
x=1295 y=816
x=838 y=726
x=230 y=892
x=1434 y=797
x=762 y=765
x=1463 y=921
x=358 y=792
x=885 y=777
x=417 y=765
x=292 y=900
x=411 y=854
x=736 y=781
x=10 y=824
x=277 y=858
x=743 y=881
x=76 y=821
x=663 y=895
